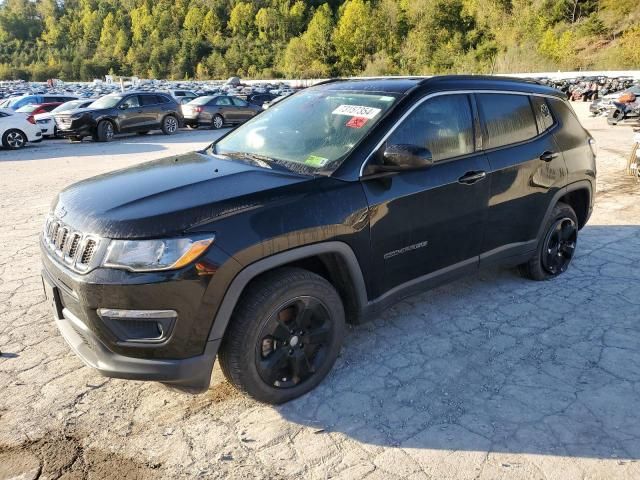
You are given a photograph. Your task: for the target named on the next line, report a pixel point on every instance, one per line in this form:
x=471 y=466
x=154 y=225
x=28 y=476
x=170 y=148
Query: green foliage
x=85 y=39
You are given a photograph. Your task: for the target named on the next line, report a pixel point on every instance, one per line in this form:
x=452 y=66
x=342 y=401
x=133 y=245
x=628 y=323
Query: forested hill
x=86 y=39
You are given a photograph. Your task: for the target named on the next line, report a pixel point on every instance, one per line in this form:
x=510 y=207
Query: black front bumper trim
x=190 y=373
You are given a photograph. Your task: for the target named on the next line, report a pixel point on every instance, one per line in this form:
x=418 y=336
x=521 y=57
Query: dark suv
x=325 y=209
x=121 y=113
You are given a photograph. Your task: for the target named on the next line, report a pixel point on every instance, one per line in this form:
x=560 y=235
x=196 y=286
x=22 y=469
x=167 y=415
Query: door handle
x=548 y=156
x=472 y=177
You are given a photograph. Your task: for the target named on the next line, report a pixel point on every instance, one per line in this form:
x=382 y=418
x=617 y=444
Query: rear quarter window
x=543 y=114
x=507 y=119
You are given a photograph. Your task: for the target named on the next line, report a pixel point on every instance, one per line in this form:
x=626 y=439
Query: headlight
x=152 y=255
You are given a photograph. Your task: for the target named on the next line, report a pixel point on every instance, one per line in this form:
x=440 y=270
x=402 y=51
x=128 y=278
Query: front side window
x=312 y=131
x=443 y=125
x=132 y=101
x=507 y=119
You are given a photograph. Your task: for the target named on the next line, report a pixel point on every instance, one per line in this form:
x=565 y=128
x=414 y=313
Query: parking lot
x=489 y=377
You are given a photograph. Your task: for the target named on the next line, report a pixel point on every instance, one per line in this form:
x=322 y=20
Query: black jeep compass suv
x=325 y=209
x=121 y=113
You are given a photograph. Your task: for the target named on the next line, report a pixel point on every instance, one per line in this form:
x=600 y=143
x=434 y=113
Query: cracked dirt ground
x=489 y=377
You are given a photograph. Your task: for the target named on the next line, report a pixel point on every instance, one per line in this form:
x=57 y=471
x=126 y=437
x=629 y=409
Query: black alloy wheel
x=559 y=246
x=293 y=343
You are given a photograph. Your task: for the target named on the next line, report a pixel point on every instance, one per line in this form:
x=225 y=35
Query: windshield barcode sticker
x=356 y=111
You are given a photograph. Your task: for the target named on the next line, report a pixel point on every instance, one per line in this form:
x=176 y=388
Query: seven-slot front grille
x=76 y=249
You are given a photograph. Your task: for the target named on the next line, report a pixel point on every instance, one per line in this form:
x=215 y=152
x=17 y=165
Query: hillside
x=86 y=39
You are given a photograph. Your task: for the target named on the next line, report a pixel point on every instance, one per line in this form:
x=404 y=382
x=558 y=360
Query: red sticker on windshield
x=357 y=122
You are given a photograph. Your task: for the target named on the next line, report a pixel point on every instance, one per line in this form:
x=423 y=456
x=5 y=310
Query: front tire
x=104 y=132
x=14 y=139
x=284 y=336
x=556 y=247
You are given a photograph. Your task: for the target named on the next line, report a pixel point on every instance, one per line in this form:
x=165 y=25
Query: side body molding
x=251 y=271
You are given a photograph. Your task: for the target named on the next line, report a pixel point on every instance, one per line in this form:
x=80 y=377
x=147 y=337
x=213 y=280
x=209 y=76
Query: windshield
x=312 y=130
x=202 y=100
x=108 y=101
x=68 y=106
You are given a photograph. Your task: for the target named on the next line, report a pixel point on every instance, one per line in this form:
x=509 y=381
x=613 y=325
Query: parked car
x=46 y=121
x=17 y=129
x=180 y=94
x=603 y=105
x=344 y=199
x=121 y=113
x=217 y=111
x=259 y=99
x=33 y=109
x=17 y=102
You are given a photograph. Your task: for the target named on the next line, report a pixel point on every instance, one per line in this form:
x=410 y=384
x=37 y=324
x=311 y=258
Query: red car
x=35 y=108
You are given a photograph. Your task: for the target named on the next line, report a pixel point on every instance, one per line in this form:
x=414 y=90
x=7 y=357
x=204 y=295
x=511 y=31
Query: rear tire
x=217 y=122
x=169 y=125
x=557 y=246
x=104 y=132
x=14 y=139
x=284 y=335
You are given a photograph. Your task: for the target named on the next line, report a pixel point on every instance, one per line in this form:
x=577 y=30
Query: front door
x=428 y=224
x=131 y=116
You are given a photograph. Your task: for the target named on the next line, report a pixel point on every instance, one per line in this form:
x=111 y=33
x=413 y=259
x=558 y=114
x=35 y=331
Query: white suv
x=16 y=129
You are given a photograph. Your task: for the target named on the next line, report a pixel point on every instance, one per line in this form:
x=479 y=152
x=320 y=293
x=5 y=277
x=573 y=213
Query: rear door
x=527 y=169
x=151 y=111
x=225 y=108
x=428 y=224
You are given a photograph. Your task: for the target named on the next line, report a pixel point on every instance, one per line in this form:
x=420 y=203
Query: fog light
x=142 y=326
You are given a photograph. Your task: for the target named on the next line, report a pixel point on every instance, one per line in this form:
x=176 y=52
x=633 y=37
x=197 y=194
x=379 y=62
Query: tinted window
x=507 y=119
x=238 y=102
x=223 y=101
x=543 y=114
x=148 y=99
x=442 y=124
x=48 y=108
x=163 y=99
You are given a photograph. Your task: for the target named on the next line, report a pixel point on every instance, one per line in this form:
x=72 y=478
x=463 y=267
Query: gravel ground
x=489 y=377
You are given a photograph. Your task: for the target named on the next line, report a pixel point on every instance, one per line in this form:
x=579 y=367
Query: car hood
x=81 y=110
x=167 y=196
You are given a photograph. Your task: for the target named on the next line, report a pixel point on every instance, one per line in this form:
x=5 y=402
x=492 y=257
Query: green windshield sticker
x=315 y=161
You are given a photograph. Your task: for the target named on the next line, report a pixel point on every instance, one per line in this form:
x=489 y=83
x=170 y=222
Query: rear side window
x=442 y=124
x=543 y=114
x=48 y=108
x=238 y=102
x=223 y=101
x=148 y=100
x=507 y=119
x=163 y=99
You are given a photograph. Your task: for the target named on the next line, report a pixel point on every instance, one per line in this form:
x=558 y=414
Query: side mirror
x=400 y=158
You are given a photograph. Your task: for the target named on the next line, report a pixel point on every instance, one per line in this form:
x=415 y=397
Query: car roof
x=403 y=85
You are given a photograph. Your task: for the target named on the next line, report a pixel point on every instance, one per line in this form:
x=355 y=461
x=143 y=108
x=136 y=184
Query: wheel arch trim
x=572 y=187
x=251 y=271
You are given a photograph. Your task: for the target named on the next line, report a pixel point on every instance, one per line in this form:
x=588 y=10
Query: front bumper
x=185 y=358
x=193 y=373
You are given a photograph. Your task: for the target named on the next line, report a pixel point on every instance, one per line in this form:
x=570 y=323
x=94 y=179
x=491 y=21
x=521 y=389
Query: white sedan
x=16 y=129
x=46 y=122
